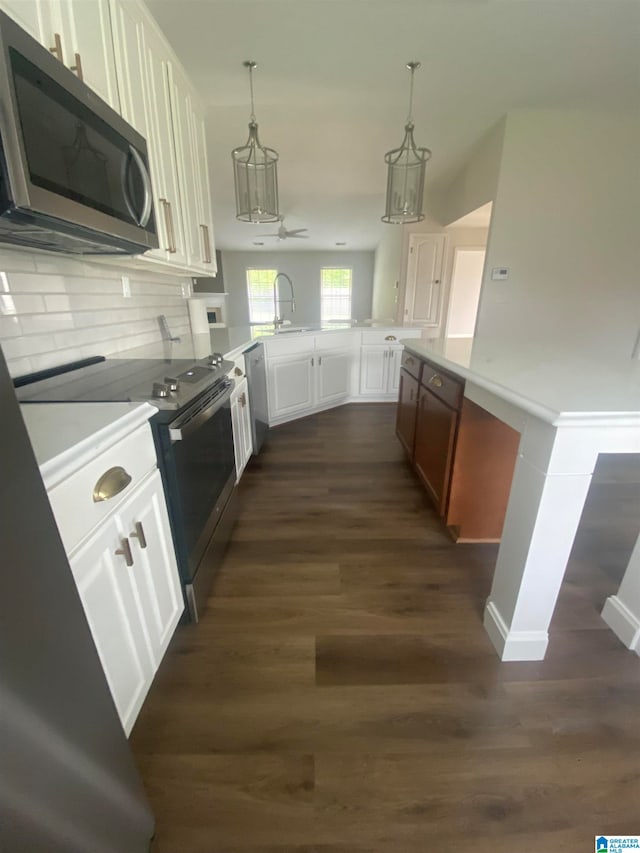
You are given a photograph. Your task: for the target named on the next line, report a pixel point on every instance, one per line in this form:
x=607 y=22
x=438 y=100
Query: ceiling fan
x=284 y=233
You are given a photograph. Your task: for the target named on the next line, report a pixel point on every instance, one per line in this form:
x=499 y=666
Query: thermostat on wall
x=499 y=273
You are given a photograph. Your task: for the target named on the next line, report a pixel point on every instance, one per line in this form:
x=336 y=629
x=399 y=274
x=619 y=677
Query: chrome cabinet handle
x=319 y=360
x=168 y=221
x=386 y=353
x=112 y=482
x=206 y=243
x=411 y=396
x=56 y=50
x=392 y=353
x=138 y=533
x=436 y=380
x=77 y=67
x=125 y=551
x=391 y=338
x=313 y=361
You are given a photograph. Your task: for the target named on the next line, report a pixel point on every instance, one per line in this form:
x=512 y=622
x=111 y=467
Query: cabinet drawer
x=412 y=364
x=448 y=388
x=289 y=344
x=328 y=341
x=389 y=337
x=72 y=500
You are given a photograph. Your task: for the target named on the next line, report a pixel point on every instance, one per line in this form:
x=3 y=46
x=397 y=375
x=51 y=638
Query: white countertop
x=233 y=340
x=64 y=434
x=554 y=384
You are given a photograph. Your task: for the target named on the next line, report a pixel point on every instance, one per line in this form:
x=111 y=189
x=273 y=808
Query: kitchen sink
x=291 y=330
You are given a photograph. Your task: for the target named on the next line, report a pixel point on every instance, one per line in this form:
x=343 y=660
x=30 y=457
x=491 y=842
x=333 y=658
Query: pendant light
x=405 y=172
x=255 y=173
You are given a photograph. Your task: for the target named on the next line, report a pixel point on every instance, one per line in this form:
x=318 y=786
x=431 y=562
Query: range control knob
x=215 y=359
x=172 y=384
x=160 y=390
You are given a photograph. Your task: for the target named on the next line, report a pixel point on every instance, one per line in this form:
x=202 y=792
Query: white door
x=424 y=280
x=154 y=578
x=373 y=370
x=88 y=46
x=290 y=385
x=334 y=376
x=104 y=583
x=34 y=16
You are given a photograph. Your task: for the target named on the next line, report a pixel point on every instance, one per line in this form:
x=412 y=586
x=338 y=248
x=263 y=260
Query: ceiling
x=331 y=90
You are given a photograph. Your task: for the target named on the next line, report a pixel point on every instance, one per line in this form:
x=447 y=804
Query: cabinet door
x=407 y=411
x=241 y=422
x=334 y=376
x=168 y=202
x=290 y=385
x=373 y=370
x=393 y=370
x=203 y=192
x=104 y=583
x=34 y=16
x=87 y=44
x=423 y=291
x=181 y=117
x=154 y=578
x=434 y=446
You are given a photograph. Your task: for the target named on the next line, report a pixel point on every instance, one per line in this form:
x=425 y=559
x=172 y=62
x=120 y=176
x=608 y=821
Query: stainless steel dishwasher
x=257 y=380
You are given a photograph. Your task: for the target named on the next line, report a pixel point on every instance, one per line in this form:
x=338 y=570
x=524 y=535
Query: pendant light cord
x=412 y=68
x=253 y=113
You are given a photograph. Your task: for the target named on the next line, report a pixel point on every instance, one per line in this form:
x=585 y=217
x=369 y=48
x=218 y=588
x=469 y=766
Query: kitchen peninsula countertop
x=555 y=385
x=233 y=340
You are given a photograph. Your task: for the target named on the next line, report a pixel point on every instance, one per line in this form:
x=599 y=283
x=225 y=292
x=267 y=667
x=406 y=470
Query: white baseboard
x=624 y=624
x=513 y=645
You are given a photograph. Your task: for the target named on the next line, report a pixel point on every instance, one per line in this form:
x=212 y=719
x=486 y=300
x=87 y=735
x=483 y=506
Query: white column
x=550 y=484
x=621 y=612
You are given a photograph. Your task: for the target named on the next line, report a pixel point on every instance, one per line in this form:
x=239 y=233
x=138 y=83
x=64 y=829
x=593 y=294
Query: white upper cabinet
x=424 y=279
x=87 y=45
x=119 y=51
x=34 y=16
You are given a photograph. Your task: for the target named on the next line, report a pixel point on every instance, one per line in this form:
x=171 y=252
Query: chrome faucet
x=278 y=321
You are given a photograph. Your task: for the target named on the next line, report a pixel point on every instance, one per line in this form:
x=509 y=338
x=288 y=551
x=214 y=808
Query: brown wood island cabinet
x=463 y=455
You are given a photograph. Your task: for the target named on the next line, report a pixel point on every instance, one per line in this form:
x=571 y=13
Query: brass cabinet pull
x=112 y=482
x=56 y=50
x=238 y=372
x=168 y=221
x=207 y=244
x=125 y=551
x=436 y=380
x=409 y=360
x=138 y=533
x=243 y=400
x=77 y=67
x=391 y=338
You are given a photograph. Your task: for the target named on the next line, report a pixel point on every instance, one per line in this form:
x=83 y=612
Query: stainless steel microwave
x=74 y=176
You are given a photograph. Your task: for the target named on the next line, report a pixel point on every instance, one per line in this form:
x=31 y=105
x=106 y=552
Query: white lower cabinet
x=241 y=422
x=380 y=371
x=333 y=374
x=128 y=582
x=290 y=385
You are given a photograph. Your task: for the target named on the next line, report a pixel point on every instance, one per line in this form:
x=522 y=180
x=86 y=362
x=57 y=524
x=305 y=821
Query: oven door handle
x=180 y=429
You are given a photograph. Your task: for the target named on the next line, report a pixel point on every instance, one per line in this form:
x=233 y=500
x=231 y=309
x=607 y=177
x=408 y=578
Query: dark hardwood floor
x=340 y=694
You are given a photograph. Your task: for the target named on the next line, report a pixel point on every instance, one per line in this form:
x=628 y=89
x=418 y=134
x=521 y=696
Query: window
x=260 y=289
x=335 y=294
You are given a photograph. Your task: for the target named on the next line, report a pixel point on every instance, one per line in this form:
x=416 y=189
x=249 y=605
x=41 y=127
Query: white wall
x=55 y=309
x=466 y=281
x=304 y=270
x=565 y=221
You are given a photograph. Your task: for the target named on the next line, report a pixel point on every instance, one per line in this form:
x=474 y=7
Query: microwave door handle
x=143 y=218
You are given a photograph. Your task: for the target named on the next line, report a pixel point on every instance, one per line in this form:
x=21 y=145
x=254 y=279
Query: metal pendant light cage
x=406 y=168
x=255 y=173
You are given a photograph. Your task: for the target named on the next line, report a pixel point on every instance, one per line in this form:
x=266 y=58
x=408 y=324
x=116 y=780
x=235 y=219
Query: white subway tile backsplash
x=56 y=309
x=20 y=304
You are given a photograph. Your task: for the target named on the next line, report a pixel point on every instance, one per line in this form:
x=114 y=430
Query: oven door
x=201 y=465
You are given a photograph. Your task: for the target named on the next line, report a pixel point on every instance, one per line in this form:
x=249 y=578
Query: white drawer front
x=335 y=341
x=72 y=500
x=290 y=343
x=389 y=336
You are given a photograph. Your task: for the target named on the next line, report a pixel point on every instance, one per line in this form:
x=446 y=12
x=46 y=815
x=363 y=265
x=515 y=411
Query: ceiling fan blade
x=295 y=231
x=300 y=236
x=267 y=235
